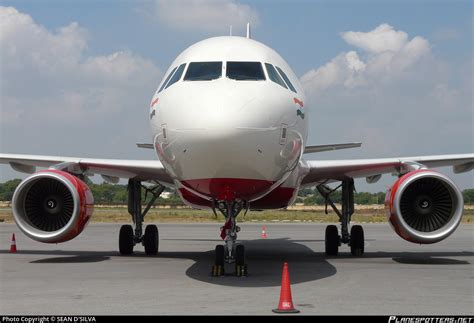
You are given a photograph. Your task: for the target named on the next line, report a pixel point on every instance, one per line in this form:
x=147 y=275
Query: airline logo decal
x=300 y=110
x=153 y=103
x=298 y=101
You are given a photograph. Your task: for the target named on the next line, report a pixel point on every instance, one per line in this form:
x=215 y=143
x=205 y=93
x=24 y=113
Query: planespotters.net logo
x=447 y=319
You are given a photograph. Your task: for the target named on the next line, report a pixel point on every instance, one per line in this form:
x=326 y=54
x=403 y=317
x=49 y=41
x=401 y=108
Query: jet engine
x=424 y=206
x=52 y=206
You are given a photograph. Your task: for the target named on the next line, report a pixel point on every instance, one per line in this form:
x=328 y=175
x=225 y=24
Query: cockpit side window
x=245 y=71
x=287 y=80
x=203 y=71
x=177 y=76
x=274 y=76
x=167 y=79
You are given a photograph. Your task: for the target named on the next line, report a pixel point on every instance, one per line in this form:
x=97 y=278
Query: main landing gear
x=332 y=238
x=128 y=237
x=231 y=252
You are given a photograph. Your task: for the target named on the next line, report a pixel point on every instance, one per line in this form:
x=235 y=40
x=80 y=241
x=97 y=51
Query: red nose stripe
x=229 y=188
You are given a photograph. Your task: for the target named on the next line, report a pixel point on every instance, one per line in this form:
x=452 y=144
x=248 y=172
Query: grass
x=119 y=214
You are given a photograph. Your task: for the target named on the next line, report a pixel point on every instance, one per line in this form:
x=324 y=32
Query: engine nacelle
x=424 y=206
x=52 y=206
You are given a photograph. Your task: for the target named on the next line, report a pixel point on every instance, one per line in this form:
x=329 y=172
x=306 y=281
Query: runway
x=87 y=276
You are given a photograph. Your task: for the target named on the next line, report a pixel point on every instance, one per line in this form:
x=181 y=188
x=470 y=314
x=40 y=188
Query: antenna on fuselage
x=230 y=30
x=248 y=30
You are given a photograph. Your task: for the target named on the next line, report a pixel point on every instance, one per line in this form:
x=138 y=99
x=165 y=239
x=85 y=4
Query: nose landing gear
x=231 y=252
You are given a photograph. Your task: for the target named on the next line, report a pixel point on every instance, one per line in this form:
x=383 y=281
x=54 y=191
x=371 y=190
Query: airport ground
x=166 y=214
x=88 y=276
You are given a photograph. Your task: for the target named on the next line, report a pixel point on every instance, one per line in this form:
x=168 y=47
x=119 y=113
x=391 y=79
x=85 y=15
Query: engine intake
x=52 y=206
x=424 y=206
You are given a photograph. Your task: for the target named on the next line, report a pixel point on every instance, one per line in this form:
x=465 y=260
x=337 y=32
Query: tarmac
x=88 y=276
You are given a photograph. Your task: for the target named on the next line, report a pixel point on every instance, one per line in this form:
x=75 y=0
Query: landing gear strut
x=128 y=237
x=355 y=239
x=231 y=252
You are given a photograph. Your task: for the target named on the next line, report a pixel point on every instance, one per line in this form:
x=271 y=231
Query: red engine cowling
x=424 y=206
x=52 y=206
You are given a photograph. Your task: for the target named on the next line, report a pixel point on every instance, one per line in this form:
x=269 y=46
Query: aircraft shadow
x=417 y=258
x=71 y=256
x=265 y=258
x=72 y=259
x=429 y=261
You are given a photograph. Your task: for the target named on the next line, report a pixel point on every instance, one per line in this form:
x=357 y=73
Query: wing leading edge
x=144 y=170
x=317 y=171
x=371 y=169
x=329 y=147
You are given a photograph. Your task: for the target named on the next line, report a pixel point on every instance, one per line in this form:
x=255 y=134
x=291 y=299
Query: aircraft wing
x=372 y=169
x=110 y=169
x=321 y=148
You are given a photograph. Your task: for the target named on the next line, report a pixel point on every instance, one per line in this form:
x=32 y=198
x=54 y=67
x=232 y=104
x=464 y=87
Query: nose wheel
x=237 y=257
x=218 y=268
x=240 y=265
x=231 y=252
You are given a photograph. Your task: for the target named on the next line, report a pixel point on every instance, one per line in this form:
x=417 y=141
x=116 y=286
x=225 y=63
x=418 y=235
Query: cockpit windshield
x=203 y=71
x=287 y=80
x=274 y=76
x=167 y=79
x=245 y=71
x=176 y=76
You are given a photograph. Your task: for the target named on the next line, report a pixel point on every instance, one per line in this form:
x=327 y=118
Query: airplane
x=229 y=126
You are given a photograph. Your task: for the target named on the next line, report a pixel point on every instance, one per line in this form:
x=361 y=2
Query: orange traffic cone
x=285 y=305
x=264 y=233
x=13 y=245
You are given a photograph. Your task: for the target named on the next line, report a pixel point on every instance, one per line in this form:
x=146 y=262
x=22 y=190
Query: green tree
x=468 y=195
x=8 y=188
x=310 y=200
x=306 y=191
x=106 y=193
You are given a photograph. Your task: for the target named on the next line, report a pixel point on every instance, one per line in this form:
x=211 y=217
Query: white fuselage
x=226 y=138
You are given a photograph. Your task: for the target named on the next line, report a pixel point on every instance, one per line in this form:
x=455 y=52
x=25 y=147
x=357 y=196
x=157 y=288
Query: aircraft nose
x=225 y=138
x=215 y=144
x=221 y=117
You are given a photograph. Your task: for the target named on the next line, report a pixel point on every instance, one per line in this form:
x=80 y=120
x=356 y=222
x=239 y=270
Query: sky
x=76 y=77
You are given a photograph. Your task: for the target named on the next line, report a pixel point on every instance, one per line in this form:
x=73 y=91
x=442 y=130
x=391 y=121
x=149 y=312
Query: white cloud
x=66 y=97
x=343 y=69
x=50 y=72
x=393 y=94
x=389 y=55
x=207 y=15
x=381 y=39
